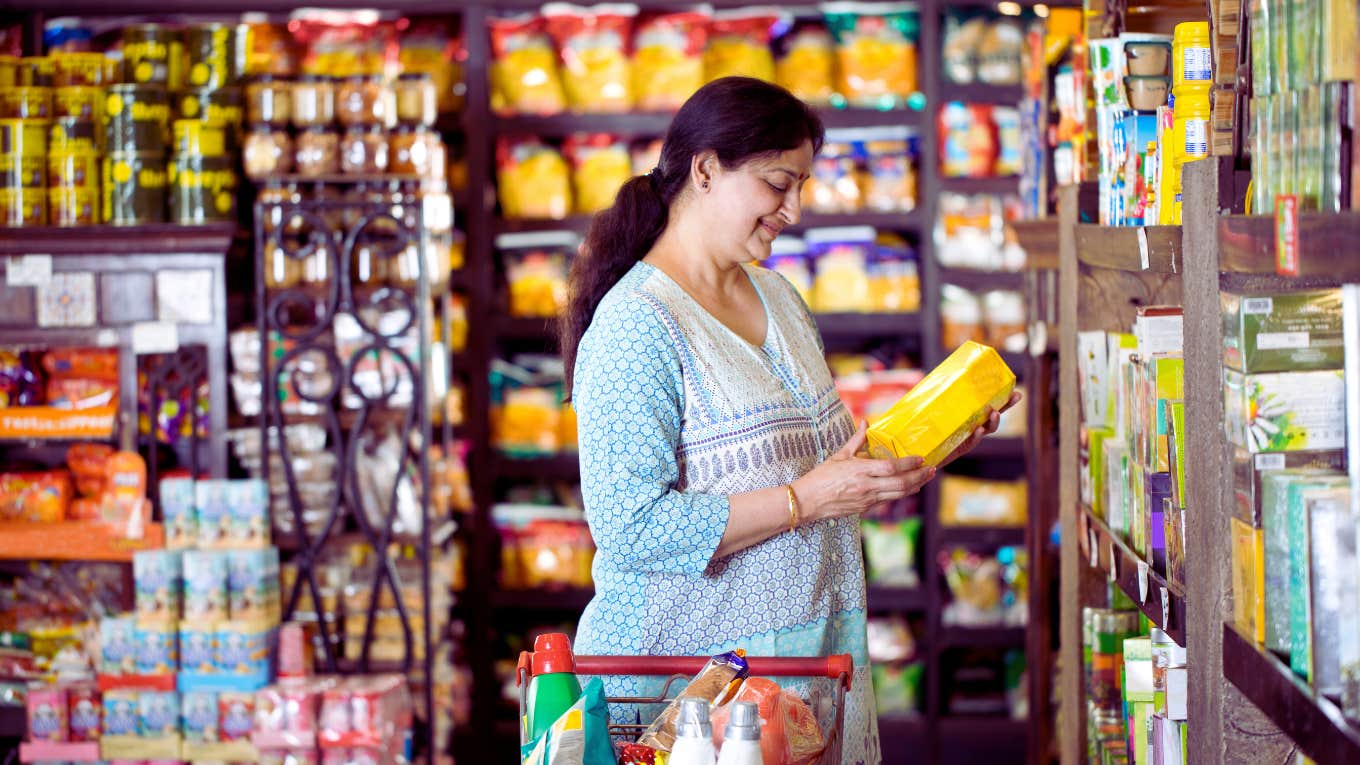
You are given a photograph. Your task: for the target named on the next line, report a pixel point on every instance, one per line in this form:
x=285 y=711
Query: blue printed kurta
x=676 y=412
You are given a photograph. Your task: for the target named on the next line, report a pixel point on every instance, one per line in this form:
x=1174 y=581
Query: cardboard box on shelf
x=1290 y=332
x=1285 y=411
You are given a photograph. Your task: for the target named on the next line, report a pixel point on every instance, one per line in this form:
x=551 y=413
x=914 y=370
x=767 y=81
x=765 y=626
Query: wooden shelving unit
x=1163 y=603
x=73 y=541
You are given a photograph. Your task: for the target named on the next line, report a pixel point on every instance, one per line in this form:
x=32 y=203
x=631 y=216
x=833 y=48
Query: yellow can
x=73 y=171
x=73 y=207
x=23 y=153
x=25 y=102
x=150 y=53
x=23 y=207
x=80 y=70
x=196 y=138
x=134 y=187
x=36 y=71
x=81 y=102
x=9 y=71
x=72 y=135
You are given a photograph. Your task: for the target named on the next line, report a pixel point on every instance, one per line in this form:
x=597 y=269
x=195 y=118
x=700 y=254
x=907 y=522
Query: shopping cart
x=679 y=670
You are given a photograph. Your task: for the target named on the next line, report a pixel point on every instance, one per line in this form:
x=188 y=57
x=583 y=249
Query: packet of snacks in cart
x=579 y=737
x=716 y=683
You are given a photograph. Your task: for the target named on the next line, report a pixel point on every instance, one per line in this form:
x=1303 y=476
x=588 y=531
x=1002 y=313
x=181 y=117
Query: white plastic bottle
x=693 y=735
x=741 y=737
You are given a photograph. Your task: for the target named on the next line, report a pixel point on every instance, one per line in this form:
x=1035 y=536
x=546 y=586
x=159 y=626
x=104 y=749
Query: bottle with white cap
x=693 y=735
x=741 y=737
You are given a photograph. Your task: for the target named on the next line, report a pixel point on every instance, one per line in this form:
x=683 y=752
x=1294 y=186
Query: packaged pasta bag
x=600 y=164
x=889 y=180
x=739 y=43
x=533 y=179
x=834 y=185
x=668 y=58
x=805 y=62
x=524 y=76
x=592 y=49
x=716 y=683
x=876 y=50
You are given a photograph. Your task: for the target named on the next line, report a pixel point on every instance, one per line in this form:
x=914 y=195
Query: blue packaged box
x=198 y=717
x=205 y=585
x=253 y=585
x=156 y=576
x=179 y=513
x=157 y=647
x=213 y=501
x=120 y=712
x=197 y=649
x=157 y=714
x=243 y=647
x=118 y=645
x=248 y=514
x=1139 y=133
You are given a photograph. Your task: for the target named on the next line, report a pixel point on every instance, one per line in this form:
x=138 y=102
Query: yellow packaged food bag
x=876 y=50
x=524 y=76
x=533 y=178
x=668 y=59
x=592 y=48
x=806 y=65
x=941 y=412
x=739 y=44
x=600 y=165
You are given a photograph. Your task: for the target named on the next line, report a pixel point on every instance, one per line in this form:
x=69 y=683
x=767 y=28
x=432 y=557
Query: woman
x=719 y=467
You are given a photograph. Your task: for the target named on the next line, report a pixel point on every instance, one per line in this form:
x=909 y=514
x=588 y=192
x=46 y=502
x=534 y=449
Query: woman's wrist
x=799 y=501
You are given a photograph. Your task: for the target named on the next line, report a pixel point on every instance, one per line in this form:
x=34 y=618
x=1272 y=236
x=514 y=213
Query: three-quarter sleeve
x=629 y=398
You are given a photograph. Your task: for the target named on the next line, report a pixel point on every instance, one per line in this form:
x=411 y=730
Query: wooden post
x=1071 y=709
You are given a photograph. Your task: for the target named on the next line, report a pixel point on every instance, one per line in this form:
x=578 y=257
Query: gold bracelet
x=793 y=508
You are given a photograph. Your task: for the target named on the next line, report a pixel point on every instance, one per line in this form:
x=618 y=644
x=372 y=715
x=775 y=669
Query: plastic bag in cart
x=579 y=737
x=789 y=732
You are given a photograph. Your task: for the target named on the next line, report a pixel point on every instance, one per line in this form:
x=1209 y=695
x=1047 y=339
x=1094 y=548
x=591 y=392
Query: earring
x=704 y=185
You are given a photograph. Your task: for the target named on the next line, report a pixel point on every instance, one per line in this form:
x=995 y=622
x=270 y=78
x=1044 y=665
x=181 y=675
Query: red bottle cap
x=552 y=653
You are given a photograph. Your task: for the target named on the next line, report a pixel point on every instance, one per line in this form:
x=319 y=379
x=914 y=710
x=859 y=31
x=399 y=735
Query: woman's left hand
x=982 y=431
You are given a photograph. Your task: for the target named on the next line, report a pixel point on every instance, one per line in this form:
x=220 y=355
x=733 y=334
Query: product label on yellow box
x=1248 y=577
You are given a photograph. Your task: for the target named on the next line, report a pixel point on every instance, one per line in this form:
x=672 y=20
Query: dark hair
x=737 y=118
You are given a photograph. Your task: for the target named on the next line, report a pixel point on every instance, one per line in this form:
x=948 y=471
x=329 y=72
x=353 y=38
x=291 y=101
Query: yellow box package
x=943 y=409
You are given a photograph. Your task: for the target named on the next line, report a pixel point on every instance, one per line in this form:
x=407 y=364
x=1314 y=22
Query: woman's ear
x=702 y=167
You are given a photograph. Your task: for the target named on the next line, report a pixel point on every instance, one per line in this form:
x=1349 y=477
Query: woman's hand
x=849 y=485
x=982 y=431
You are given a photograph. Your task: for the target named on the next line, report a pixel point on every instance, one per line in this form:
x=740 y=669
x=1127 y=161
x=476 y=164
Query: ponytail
x=739 y=119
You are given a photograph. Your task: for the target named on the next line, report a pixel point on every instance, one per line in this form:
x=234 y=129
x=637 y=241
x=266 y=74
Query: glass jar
x=363 y=151
x=268 y=151
x=269 y=100
x=416 y=151
x=313 y=101
x=280 y=271
x=365 y=100
x=318 y=152
x=417 y=102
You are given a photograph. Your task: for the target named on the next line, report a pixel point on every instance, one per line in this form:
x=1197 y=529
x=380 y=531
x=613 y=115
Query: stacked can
x=1104 y=631
x=135 y=128
x=23 y=172
x=208 y=116
x=73 y=169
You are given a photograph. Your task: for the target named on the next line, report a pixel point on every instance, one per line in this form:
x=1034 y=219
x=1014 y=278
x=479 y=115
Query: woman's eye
x=783 y=190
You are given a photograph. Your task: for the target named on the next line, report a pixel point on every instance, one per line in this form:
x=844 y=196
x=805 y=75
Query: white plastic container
x=741 y=737
x=693 y=735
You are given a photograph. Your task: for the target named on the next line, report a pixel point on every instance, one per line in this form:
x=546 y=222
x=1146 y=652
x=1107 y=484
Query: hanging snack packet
x=805 y=63
x=345 y=43
x=876 y=49
x=524 y=77
x=716 y=683
x=533 y=179
x=600 y=165
x=592 y=47
x=668 y=59
x=739 y=44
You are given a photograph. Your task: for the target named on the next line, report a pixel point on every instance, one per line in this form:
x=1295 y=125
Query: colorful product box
x=1094 y=367
x=1248 y=578
x=157 y=646
x=1333 y=572
x=1116 y=484
x=1158 y=329
x=47 y=714
x=253 y=584
x=1276 y=486
x=248 y=514
x=214 y=513
x=85 y=711
x=243 y=647
x=197 y=646
x=1167 y=385
x=156 y=574
x=1157 y=490
x=205 y=584
x=120 y=712
x=199 y=717
x=1176 y=443
x=1250 y=469
x=235 y=716
x=1138 y=692
x=1093 y=470
x=177 y=497
x=1293 y=332
x=1301 y=496
x=157 y=714
x=1285 y=412
x=118 y=645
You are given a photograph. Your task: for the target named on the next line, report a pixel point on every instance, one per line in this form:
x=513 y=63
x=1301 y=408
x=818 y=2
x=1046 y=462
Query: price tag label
x=1166 y=608
x=1114 y=563
x=1092 y=549
x=1142 y=581
x=1144 y=256
x=28 y=270
x=1287 y=235
x=155 y=337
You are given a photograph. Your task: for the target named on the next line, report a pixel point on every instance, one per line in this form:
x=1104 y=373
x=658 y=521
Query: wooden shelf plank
x=515 y=328
x=981 y=637
x=1126 y=575
x=981 y=93
x=1007 y=184
x=73 y=541
x=981 y=536
x=841 y=326
x=893 y=599
x=999 y=447
x=1039 y=239
x=150 y=239
x=559 y=467
x=1118 y=247
x=1314 y=723
x=981 y=281
x=1327 y=245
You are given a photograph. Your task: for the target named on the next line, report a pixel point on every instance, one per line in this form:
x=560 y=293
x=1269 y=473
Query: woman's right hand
x=847 y=485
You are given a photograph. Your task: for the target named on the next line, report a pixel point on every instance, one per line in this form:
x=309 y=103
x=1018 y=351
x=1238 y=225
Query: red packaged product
x=42 y=497
x=668 y=60
x=80 y=392
x=85 y=709
x=592 y=47
x=235 y=716
x=86 y=363
x=364 y=711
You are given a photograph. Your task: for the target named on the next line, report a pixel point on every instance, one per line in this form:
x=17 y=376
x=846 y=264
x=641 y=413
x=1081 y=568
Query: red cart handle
x=837 y=667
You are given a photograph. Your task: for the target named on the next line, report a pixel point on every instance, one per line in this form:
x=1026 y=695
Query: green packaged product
x=1301 y=495
x=1332 y=576
x=1290 y=332
x=1277 y=542
x=1250 y=471
x=1285 y=411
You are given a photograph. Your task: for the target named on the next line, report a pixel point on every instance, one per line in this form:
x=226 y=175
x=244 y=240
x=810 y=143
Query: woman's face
x=747 y=207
